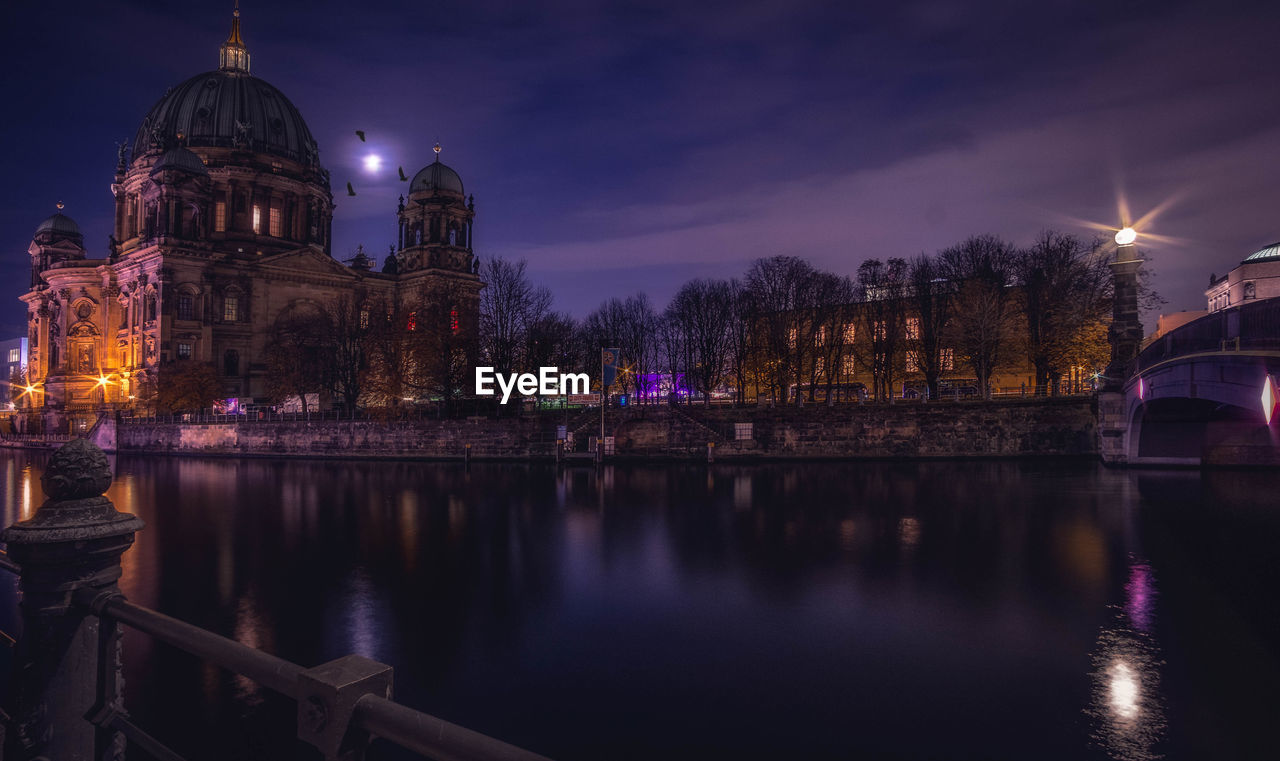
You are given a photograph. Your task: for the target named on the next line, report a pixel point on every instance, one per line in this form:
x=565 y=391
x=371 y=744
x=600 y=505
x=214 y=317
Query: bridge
x=1194 y=396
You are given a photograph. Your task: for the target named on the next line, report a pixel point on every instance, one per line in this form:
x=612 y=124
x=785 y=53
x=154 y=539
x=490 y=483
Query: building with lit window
x=1257 y=277
x=223 y=218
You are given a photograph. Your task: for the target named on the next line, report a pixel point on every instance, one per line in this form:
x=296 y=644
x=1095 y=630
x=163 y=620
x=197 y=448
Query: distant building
x=1169 y=322
x=1257 y=277
x=14 y=354
x=223 y=216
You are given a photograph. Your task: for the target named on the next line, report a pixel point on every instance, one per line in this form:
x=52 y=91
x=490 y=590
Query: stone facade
x=223 y=217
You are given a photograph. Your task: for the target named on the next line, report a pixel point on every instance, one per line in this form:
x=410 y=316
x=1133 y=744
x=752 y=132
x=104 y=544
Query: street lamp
x=1126 y=237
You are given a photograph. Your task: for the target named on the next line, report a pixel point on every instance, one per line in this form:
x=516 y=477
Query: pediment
x=305 y=261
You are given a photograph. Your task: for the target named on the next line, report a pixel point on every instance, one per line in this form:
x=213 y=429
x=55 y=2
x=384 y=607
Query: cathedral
x=223 y=220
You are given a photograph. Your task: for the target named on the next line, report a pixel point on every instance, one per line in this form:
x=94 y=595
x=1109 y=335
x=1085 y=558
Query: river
x=1048 y=609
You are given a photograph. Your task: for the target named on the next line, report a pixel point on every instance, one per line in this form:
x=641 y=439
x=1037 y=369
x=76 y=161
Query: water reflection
x=1127 y=705
x=682 y=612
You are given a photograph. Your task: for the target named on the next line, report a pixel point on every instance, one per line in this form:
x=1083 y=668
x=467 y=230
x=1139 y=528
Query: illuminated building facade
x=1257 y=277
x=223 y=220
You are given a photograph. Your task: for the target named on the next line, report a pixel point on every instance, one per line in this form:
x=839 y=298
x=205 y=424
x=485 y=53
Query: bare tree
x=883 y=321
x=1066 y=292
x=510 y=305
x=742 y=337
x=187 y=385
x=930 y=297
x=630 y=325
x=701 y=318
x=389 y=346
x=779 y=288
x=442 y=349
x=296 y=353
x=983 y=327
x=350 y=316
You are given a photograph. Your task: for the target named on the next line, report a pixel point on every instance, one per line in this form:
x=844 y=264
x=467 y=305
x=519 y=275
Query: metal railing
x=67 y=558
x=1253 y=326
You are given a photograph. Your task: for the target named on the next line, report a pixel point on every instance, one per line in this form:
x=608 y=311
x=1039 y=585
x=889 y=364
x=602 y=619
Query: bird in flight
x=350 y=191
x=360 y=134
x=402 y=177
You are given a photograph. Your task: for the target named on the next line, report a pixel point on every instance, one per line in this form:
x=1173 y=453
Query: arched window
x=231 y=362
x=231 y=306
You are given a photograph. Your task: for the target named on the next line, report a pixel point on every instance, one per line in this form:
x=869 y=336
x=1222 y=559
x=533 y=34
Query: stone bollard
x=67 y=664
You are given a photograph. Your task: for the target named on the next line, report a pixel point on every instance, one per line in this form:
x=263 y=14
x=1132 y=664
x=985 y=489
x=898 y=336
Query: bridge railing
x=66 y=700
x=1253 y=326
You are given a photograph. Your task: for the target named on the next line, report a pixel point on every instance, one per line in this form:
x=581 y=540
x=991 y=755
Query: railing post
x=70 y=547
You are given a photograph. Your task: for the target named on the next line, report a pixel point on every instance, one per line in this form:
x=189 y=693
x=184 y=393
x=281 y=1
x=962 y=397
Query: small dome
x=1269 y=253
x=59 y=223
x=436 y=177
x=180 y=158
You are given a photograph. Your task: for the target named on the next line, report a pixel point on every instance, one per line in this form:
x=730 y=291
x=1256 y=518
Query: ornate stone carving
x=78 y=470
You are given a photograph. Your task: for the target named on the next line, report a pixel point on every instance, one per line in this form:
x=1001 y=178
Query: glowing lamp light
x=1269 y=398
x=1126 y=236
x=372 y=162
x=1142 y=389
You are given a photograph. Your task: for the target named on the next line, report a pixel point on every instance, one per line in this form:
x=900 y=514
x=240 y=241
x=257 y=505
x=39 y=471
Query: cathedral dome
x=227 y=108
x=60 y=224
x=181 y=159
x=436 y=177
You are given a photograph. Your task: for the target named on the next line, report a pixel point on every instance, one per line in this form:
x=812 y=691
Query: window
x=912 y=365
x=230 y=308
x=412 y=324
x=364 y=319
x=850 y=332
x=257 y=219
x=273 y=221
x=822 y=336
x=15 y=355
x=913 y=328
x=819 y=365
x=1250 y=290
x=948 y=360
x=847 y=366
x=879 y=330
x=184 y=350
x=220 y=217
x=792 y=335
x=186 y=307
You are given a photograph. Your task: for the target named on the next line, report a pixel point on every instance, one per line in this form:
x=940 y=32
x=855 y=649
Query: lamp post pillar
x=67 y=664
x=1125 y=333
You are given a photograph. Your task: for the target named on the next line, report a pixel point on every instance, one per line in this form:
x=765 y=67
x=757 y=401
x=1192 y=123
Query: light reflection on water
x=673 y=612
x=1127 y=709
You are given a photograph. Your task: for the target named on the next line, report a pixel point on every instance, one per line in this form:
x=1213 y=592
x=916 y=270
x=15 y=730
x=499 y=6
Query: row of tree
x=785 y=330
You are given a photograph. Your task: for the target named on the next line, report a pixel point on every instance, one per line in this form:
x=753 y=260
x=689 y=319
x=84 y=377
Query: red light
x=453 y=320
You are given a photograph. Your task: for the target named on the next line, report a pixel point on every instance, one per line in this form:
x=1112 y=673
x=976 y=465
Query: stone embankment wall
x=513 y=438
x=1013 y=428
x=942 y=429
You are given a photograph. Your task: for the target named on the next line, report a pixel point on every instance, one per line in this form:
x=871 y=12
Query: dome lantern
x=233 y=55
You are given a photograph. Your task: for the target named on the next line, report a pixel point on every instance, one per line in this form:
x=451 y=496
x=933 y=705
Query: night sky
x=623 y=146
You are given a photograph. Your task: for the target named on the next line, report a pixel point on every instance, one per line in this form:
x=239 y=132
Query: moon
x=372 y=162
